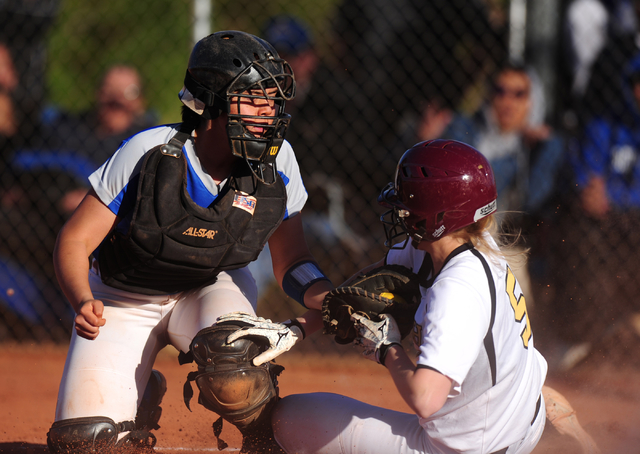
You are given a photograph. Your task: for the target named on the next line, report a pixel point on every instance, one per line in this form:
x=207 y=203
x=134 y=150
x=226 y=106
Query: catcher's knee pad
x=230 y=385
x=82 y=435
x=97 y=434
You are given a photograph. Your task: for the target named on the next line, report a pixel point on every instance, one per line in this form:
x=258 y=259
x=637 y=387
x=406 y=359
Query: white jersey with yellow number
x=472 y=326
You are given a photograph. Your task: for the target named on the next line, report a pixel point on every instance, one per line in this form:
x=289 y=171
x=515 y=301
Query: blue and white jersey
x=116 y=181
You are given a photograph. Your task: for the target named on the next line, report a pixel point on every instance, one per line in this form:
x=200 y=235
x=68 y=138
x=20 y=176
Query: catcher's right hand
x=389 y=289
x=90 y=319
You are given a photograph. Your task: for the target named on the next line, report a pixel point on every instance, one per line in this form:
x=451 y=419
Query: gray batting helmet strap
x=230 y=385
x=97 y=434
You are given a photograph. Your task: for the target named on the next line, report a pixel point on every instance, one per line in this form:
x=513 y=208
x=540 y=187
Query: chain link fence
x=546 y=89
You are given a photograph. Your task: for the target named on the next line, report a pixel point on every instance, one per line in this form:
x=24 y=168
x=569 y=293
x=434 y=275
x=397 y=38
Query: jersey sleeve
x=453 y=326
x=116 y=180
x=289 y=170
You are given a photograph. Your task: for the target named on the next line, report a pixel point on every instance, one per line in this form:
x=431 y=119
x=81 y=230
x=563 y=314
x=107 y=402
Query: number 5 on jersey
x=519 y=307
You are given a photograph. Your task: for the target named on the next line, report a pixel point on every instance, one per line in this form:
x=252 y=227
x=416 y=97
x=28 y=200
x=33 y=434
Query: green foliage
x=88 y=37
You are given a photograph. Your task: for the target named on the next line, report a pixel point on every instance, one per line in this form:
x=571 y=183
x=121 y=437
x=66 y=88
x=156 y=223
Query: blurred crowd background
x=548 y=90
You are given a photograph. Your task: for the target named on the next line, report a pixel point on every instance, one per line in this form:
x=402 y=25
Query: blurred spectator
x=8 y=75
x=24 y=26
x=525 y=153
x=598 y=244
x=586 y=28
x=48 y=181
x=10 y=137
x=432 y=121
x=119 y=112
x=8 y=120
x=605 y=88
x=31 y=305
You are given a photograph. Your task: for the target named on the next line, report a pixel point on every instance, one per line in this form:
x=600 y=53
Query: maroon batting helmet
x=440 y=186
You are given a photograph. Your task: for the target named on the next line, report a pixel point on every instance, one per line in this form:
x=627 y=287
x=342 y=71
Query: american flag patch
x=245 y=202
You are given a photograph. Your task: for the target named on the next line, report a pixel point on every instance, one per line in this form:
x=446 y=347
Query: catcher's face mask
x=394 y=220
x=258 y=138
x=235 y=67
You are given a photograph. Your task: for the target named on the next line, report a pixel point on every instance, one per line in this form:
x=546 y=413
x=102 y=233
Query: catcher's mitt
x=389 y=289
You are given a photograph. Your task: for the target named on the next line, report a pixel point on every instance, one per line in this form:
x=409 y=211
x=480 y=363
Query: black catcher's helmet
x=234 y=64
x=441 y=186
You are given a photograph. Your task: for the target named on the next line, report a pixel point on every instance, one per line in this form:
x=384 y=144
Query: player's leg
x=229 y=384
x=233 y=388
x=108 y=377
x=326 y=423
x=563 y=417
x=234 y=290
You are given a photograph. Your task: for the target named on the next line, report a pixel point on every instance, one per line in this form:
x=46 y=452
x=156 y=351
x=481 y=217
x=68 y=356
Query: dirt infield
x=606 y=401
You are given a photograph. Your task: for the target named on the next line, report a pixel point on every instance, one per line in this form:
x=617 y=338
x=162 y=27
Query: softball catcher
x=172 y=220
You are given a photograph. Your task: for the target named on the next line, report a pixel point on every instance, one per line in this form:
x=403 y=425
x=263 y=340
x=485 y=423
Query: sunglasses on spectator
x=518 y=94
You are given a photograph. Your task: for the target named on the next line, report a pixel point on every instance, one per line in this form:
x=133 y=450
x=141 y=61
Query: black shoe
x=150 y=411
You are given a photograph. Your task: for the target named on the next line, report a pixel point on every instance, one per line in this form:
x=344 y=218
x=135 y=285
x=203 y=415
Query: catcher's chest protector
x=173 y=244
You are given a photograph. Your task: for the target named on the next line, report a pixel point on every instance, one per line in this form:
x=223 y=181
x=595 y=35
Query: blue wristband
x=300 y=277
